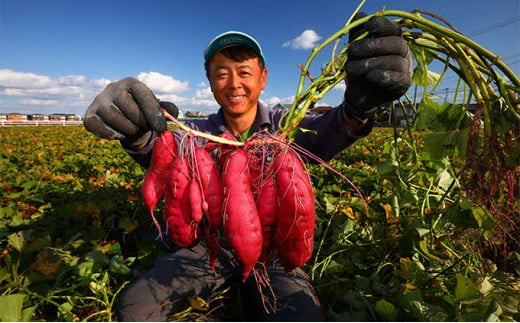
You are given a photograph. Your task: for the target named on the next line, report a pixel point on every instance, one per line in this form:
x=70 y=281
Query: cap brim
x=231 y=38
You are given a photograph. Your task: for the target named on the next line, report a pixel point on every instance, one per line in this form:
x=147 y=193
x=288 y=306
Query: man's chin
x=234 y=111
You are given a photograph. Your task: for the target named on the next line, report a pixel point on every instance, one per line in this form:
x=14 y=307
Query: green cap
x=230 y=38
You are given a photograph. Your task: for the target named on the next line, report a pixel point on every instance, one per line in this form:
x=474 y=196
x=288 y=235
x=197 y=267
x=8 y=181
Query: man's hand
x=379 y=67
x=126 y=110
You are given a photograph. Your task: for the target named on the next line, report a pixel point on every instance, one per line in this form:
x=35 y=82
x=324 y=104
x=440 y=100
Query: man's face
x=236 y=85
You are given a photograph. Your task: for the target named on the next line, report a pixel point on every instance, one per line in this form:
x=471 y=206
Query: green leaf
x=330 y=206
x=99 y=259
x=27 y=313
x=445 y=144
x=65 y=311
x=386 y=310
x=93 y=263
x=424 y=77
x=413 y=303
x=121 y=266
x=493 y=312
x=85 y=269
x=437 y=146
x=11 y=306
x=17 y=240
x=426 y=117
x=29 y=240
x=466 y=290
x=484 y=220
x=444 y=117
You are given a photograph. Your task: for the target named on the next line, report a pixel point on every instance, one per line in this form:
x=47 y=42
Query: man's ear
x=209 y=80
x=264 y=76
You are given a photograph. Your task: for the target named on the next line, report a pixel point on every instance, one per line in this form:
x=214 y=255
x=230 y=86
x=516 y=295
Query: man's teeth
x=236 y=97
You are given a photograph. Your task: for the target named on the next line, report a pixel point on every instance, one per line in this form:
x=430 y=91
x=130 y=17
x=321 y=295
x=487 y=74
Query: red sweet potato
x=264 y=191
x=296 y=212
x=163 y=154
x=212 y=238
x=205 y=169
x=267 y=206
x=154 y=184
x=181 y=228
x=196 y=200
x=240 y=216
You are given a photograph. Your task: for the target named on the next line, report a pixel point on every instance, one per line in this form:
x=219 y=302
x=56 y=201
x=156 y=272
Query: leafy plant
x=443 y=205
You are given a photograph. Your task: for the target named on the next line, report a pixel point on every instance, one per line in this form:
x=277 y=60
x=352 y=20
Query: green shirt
x=245 y=135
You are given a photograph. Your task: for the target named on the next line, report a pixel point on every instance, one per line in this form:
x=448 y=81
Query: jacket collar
x=262 y=119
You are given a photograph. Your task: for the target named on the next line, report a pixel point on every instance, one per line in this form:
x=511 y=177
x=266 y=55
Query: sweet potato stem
x=468 y=53
x=196 y=133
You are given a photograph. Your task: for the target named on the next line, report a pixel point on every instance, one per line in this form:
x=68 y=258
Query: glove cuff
x=356 y=114
x=137 y=143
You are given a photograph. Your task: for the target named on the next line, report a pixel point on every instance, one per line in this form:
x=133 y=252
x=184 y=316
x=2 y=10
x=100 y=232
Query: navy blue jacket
x=328 y=138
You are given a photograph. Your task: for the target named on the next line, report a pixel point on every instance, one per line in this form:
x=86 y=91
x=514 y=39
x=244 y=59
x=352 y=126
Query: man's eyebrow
x=225 y=67
x=219 y=67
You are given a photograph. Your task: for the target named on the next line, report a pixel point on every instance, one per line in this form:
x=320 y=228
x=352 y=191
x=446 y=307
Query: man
x=379 y=70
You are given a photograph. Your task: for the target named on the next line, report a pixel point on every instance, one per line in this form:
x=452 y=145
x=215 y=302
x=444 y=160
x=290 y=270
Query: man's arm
x=329 y=132
x=127 y=110
x=355 y=127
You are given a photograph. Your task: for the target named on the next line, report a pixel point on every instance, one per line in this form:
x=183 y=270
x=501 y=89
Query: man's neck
x=238 y=124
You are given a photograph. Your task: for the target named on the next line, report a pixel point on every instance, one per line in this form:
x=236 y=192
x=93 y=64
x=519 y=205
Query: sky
x=57 y=55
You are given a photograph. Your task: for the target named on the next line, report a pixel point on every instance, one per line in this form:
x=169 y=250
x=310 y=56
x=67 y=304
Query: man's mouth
x=236 y=97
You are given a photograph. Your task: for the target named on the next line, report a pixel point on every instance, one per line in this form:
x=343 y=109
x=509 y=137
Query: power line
x=494 y=26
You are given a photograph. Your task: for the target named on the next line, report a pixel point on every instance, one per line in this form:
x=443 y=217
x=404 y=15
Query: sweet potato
x=212 y=192
x=212 y=238
x=181 y=228
x=267 y=206
x=163 y=154
x=296 y=212
x=240 y=216
x=196 y=200
x=264 y=191
x=154 y=184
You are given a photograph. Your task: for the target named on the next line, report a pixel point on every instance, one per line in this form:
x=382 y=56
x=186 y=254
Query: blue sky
x=56 y=55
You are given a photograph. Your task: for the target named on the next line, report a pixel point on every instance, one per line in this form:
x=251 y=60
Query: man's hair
x=238 y=53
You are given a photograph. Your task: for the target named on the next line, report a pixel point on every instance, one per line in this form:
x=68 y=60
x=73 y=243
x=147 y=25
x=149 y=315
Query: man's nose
x=234 y=81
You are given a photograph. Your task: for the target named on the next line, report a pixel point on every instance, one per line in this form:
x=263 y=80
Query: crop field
x=74 y=232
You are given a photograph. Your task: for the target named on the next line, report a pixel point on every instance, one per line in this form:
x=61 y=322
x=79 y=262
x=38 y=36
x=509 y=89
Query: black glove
x=170 y=107
x=379 y=67
x=126 y=110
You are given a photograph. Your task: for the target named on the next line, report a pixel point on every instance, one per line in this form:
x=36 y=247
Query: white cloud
x=34 y=93
x=272 y=101
x=341 y=86
x=99 y=83
x=204 y=94
x=38 y=102
x=161 y=83
x=306 y=40
x=72 y=80
x=202 y=101
x=13 y=79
